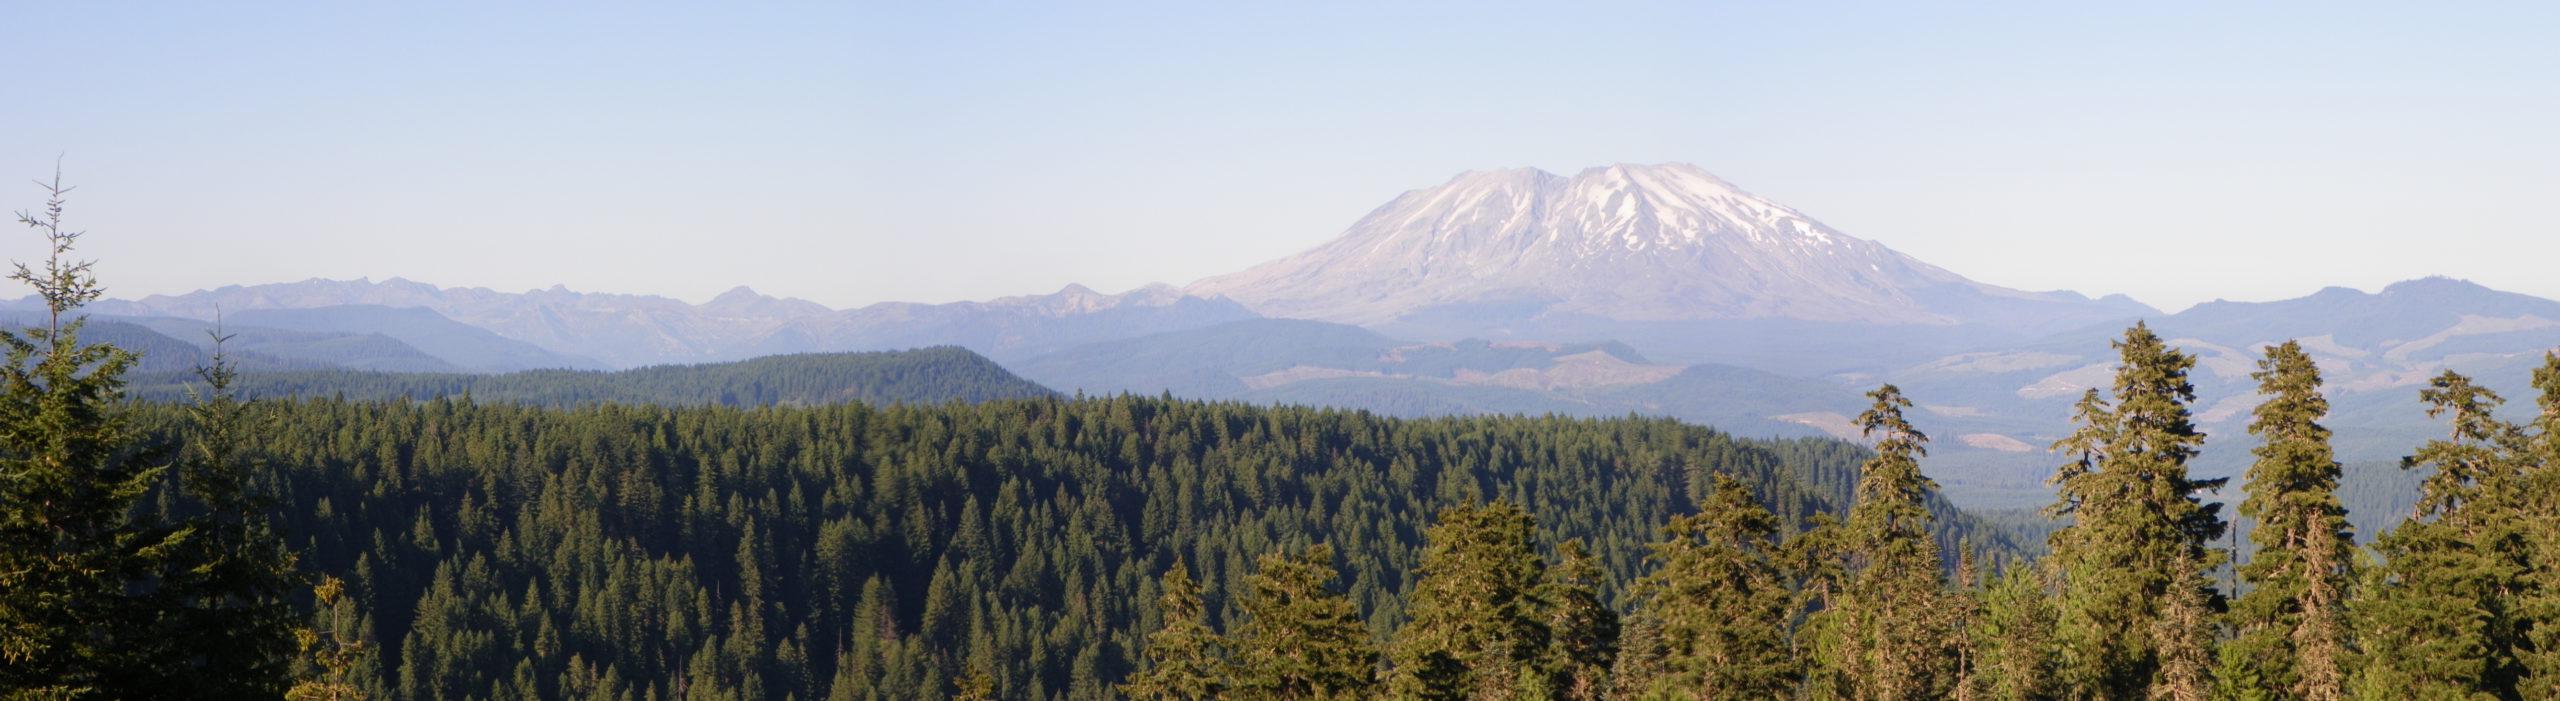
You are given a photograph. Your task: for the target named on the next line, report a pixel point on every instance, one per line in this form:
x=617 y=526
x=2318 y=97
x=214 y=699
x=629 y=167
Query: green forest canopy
x=496 y=545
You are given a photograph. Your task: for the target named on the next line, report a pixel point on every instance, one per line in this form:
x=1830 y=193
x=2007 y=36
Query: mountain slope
x=1009 y=328
x=467 y=347
x=617 y=329
x=480 y=328
x=1628 y=243
x=922 y=376
x=1291 y=361
x=2375 y=350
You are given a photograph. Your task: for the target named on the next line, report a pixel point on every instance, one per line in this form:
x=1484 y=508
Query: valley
x=1647 y=290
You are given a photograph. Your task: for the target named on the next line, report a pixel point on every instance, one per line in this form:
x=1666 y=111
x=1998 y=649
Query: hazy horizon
x=2176 y=154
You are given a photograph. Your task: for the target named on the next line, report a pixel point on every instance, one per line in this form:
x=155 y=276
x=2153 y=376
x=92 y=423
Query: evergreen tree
x=1964 y=613
x=226 y=619
x=1301 y=639
x=2013 y=640
x=2291 y=626
x=1815 y=561
x=2137 y=602
x=1897 y=634
x=2183 y=636
x=1183 y=659
x=978 y=686
x=614 y=551
x=1712 y=615
x=1478 y=615
x=1585 y=628
x=77 y=563
x=331 y=652
x=2539 y=601
x=2437 y=620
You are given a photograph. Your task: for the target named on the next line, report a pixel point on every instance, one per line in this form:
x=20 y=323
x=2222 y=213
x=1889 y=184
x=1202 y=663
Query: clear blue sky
x=943 y=151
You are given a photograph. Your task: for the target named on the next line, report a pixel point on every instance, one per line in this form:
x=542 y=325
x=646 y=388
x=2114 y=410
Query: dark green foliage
x=1897 y=636
x=650 y=545
x=499 y=548
x=922 y=376
x=223 y=602
x=332 y=653
x=1301 y=639
x=2439 y=620
x=1816 y=562
x=1585 y=629
x=2291 y=627
x=2015 y=656
x=1184 y=659
x=101 y=595
x=72 y=552
x=1477 y=612
x=2137 y=604
x=1010 y=550
x=2538 y=604
x=1711 y=618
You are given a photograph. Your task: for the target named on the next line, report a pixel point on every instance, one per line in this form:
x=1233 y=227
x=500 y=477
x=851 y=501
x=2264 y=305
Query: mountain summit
x=1667 y=242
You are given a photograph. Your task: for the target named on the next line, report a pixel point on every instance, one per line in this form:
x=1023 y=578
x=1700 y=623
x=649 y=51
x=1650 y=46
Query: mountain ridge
x=635 y=330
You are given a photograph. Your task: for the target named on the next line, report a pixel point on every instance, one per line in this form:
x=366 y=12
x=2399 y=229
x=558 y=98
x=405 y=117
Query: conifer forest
x=559 y=536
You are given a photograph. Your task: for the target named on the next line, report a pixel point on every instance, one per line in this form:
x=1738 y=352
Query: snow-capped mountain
x=1625 y=242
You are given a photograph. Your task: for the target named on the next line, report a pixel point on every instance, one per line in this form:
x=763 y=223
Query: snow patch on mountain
x=1664 y=242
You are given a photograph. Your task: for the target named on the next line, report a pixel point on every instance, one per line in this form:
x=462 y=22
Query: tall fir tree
x=1183 y=655
x=78 y=565
x=1964 y=611
x=2437 y=619
x=1898 y=637
x=2291 y=626
x=1585 y=629
x=1477 y=614
x=2012 y=637
x=1815 y=563
x=2137 y=601
x=227 y=620
x=1711 y=617
x=1301 y=639
x=2539 y=602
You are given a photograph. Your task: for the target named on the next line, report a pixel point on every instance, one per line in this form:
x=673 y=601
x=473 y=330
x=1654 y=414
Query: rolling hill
x=922 y=376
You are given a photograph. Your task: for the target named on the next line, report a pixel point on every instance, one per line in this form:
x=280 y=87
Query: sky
x=850 y=153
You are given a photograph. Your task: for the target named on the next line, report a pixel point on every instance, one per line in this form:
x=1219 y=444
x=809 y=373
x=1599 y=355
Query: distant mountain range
x=922 y=376
x=482 y=330
x=1626 y=289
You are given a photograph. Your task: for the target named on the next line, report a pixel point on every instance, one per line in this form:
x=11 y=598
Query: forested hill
x=631 y=551
x=922 y=376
